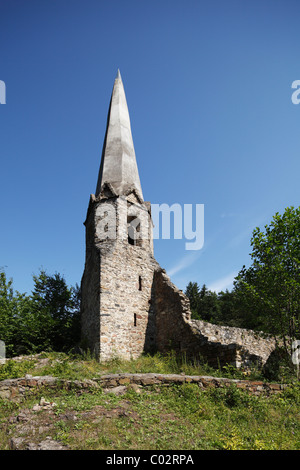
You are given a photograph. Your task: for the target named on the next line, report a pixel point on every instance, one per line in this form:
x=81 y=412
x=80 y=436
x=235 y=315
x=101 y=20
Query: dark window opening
x=133 y=229
x=131 y=239
x=140 y=282
x=134 y=320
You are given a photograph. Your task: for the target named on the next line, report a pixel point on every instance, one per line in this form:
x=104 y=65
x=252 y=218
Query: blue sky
x=208 y=85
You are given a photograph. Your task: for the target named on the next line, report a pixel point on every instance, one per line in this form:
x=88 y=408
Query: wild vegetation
x=80 y=367
x=154 y=417
x=46 y=319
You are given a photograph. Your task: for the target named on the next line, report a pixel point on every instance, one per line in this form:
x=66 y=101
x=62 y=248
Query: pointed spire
x=118 y=162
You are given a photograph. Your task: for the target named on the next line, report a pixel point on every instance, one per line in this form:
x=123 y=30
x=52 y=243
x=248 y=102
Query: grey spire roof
x=118 y=162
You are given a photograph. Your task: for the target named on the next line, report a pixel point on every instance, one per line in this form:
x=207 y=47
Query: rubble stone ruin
x=129 y=305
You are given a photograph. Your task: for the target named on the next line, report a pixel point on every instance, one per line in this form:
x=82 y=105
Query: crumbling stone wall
x=217 y=345
x=18 y=389
x=172 y=315
x=251 y=347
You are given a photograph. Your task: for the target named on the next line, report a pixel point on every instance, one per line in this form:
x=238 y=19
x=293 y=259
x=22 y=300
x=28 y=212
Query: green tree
x=48 y=319
x=7 y=307
x=203 y=302
x=209 y=309
x=14 y=307
x=229 y=314
x=192 y=293
x=272 y=283
x=55 y=309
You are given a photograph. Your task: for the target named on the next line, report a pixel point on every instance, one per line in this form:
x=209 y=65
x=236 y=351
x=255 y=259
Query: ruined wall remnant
x=18 y=389
x=251 y=347
x=217 y=345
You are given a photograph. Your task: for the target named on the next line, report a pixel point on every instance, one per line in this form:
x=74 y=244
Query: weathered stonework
x=217 y=345
x=118 y=318
x=18 y=389
x=248 y=347
x=129 y=305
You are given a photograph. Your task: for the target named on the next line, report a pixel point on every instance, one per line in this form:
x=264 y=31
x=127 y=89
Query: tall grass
x=86 y=367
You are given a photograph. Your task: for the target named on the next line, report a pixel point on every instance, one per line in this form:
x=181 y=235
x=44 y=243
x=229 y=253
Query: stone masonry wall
x=90 y=299
x=255 y=344
x=17 y=389
x=117 y=315
x=217 y=345
x=127 y=322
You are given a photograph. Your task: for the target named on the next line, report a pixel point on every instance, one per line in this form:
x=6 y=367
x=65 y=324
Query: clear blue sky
x=208 y=85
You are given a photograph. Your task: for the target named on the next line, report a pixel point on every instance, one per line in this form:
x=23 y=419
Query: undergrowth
x=86 y=367
x=78 y=367
x=157 y=417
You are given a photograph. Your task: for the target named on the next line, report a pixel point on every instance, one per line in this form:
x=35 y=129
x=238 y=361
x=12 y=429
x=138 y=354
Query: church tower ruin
x=117 y=315
x=128 y=303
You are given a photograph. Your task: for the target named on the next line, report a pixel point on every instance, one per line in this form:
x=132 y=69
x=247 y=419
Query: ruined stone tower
x=128 y=303
x=117 y=316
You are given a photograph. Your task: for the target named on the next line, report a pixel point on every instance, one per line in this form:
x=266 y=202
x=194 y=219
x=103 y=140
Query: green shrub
x=12 y=369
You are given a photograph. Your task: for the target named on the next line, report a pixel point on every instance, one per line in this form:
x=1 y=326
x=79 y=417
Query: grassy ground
x=77 y=367
x=153 y=418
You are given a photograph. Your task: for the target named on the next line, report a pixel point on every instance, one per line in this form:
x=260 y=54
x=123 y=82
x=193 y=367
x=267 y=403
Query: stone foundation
x=17 y=389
